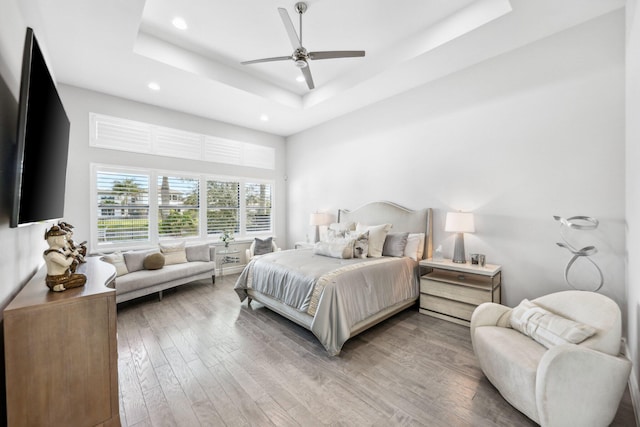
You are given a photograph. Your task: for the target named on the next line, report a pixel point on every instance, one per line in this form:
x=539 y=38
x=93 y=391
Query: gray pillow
x=198 y=253
x=394 y=244
x=135 y=259
x=262 y=247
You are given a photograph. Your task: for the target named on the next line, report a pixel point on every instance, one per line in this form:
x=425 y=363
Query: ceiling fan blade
x=256 y=61
x=336 y=54
x=306 y=72
x=291 y=31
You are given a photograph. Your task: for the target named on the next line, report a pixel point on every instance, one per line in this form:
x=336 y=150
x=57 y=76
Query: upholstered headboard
x=403 y=220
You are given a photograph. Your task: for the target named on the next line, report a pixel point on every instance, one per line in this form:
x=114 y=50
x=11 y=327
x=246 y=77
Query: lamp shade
x=459 y=222
x=318 y=218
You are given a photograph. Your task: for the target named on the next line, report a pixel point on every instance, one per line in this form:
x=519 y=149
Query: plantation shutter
x=258 y=207
x=178 y=206
x=223 y=206
x=123 y=207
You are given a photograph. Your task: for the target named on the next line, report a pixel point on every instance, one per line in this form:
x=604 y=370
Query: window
x=122 y=207
x=258 y=206
x=114 y=133
x=223 y=207
x=178 y=206
x=138 y=207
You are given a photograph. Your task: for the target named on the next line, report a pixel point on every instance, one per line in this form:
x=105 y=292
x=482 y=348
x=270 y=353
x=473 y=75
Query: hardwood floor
x=199 y=358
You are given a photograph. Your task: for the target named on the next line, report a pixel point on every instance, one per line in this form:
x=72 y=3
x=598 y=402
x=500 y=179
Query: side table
x=451 y=291
x=227 y=256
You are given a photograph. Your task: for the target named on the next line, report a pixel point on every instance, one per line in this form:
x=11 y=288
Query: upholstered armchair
x=264 y=246
x=563 y=385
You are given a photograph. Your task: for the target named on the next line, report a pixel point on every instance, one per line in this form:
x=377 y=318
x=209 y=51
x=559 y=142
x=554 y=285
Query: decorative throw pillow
x=377 y=234
x=342 y=250
x=261 y=247
x=335 y=235
x=135 y=259
x=154 y=261
x=415 y=246
x=198 y=253
x=173 y=253
x=360 y=243
x=394 y=244
x=342 y=226
x=547 y=328
x=117 y=260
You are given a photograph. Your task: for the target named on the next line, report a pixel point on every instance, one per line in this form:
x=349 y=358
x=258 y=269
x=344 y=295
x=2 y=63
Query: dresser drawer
x=446 y=306
x=455 y=292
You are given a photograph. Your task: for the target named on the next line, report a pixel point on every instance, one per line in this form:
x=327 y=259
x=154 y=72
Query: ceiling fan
x=300 y=56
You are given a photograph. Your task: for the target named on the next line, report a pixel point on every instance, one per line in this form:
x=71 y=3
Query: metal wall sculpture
x=579 y=223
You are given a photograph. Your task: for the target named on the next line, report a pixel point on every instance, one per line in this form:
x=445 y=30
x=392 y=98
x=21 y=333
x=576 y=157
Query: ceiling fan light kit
x=300 y=56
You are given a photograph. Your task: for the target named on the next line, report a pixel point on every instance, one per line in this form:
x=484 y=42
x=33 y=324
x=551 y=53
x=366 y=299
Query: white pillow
x=547 y=328
x=335 y=236
x=174 y=253
x=336 y=231
x=334 y=249
x=342 y=226
x=117 y=260
x=415 y=246
x=377 y=235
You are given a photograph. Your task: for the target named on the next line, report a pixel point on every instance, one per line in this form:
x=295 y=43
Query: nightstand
x=452 y=291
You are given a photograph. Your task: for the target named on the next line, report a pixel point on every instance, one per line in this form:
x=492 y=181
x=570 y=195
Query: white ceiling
x=119 y=46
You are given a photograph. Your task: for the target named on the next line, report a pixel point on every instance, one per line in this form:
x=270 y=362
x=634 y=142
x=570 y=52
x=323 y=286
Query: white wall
x=517 y=139
x=633 y=190
x=80 y=102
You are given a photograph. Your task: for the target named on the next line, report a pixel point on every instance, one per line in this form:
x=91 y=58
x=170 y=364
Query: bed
x=338 y=298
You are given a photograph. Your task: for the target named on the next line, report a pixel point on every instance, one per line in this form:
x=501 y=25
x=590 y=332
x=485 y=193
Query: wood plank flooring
x=200 y=358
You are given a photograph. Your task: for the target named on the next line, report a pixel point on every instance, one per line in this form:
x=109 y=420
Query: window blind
x=114 y=133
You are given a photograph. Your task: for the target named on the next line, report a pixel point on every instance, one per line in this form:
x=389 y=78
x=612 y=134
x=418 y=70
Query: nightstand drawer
x=447 y=306
x=464 y=278
x=459 y=293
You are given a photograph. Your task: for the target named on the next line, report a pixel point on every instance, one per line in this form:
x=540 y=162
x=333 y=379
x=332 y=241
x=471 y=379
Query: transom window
x=129 y=211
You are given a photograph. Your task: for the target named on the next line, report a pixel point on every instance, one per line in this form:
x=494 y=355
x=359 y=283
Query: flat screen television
x=42 y=143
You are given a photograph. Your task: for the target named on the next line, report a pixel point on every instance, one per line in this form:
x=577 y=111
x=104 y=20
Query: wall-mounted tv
x=42 y=143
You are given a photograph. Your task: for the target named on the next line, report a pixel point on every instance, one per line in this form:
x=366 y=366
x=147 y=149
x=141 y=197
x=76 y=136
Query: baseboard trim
x=634 y=389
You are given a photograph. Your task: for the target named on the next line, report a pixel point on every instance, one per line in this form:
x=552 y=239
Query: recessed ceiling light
x=153 y=86
x=264 y=118
x=179 y=23
x=300 y=79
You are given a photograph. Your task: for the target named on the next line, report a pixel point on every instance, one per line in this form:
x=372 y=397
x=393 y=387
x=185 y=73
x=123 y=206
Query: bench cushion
x=146 y=278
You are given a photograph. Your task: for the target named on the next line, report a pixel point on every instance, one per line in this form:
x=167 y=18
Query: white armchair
x=249 y=253
x=567 y=384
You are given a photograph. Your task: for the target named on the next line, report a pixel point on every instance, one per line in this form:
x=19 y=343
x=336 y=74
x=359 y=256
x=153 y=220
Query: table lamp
x=317 y=219
x=459 y=223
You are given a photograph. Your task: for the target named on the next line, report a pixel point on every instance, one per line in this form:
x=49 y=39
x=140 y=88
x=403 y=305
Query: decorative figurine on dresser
x=79 y=251
x=58 y=259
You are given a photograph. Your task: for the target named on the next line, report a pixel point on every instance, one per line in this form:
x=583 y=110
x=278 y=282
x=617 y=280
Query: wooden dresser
x=452 y=291
x=61 y=352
